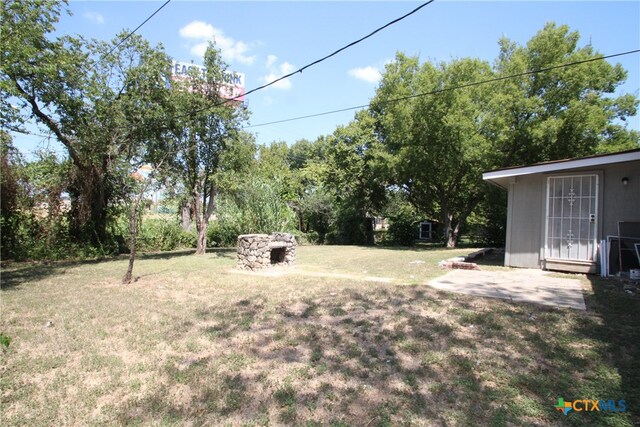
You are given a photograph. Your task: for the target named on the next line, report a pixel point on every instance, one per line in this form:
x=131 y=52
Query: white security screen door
x=571 y=225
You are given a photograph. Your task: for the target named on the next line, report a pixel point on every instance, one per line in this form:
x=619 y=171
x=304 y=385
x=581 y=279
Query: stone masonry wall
x=254 y=250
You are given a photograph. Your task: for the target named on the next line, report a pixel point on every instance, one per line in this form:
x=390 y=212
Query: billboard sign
x=231 y=87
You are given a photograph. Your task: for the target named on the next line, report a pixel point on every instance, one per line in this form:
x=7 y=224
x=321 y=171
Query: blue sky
x=265 y=39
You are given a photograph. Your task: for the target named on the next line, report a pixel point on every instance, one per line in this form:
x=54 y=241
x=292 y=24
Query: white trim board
x=628 y=156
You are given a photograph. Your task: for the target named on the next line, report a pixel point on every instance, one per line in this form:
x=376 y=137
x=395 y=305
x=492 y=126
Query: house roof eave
x=558 y=165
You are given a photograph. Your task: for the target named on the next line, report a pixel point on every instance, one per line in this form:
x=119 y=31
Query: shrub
x=29 y=237
x=403 y=221
x=159 y=234
x=221 y=234
x=352 y=228
x=402 y=231
x=312 y=237
x=255 y=208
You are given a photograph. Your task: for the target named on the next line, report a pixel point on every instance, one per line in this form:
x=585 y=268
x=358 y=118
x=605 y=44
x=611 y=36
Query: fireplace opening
x=258 y=251
x=277 y=255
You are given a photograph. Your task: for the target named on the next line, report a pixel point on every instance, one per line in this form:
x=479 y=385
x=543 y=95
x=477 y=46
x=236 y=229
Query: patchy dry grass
x=192 y=343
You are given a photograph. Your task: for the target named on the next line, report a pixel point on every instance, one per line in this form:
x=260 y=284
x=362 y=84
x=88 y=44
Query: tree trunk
x=452 y=238
x=89 y=199
x=450 y=233
x=201 y=225
x=186 y=215
x=202 y=240
x=88 y=214
x=133 y=222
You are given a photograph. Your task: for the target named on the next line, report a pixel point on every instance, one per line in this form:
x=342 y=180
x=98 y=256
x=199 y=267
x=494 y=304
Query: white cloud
x=271 y=59
x=277 y=72
x=94 y=17
x=368 y=74
x=199 y=33
x=286 y=68
x=199 y=49
x=198 y=30
x=282 y=84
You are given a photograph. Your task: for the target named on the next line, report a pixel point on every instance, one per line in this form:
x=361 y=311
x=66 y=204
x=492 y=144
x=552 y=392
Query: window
x=425 y=230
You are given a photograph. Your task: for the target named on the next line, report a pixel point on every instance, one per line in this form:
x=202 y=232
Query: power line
x=435 y=92
x=124 y=39
x=325 y=113
x=448 y=89
x=300 y=70
x=377 y=30
x=317 y=61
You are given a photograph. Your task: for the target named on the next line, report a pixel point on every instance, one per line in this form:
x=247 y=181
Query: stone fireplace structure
x=258 y=251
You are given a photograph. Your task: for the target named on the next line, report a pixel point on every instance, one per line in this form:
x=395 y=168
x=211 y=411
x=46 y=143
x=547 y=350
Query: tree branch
x=50 y=123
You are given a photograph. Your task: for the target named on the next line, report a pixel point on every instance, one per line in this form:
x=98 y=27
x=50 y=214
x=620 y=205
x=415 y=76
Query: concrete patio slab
x=527 y=285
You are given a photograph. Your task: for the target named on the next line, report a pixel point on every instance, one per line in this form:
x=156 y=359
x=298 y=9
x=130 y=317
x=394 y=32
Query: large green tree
x=445 y=132
x=436 y=144
x=316 y=204
x=201 y=126
x=356 y=176
x=561 y=113
x=100 y=100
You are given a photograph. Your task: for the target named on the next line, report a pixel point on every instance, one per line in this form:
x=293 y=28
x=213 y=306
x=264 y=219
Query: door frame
x=597 y=224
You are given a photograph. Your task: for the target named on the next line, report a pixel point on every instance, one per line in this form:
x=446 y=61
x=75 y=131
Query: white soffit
x=586 y=162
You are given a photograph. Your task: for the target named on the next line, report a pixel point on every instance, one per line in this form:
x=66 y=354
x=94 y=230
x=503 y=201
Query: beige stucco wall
x=527 y=202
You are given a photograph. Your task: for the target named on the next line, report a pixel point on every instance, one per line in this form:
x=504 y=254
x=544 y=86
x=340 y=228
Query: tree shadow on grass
x=165 y=255
x=387 y=355
x=420 y=247
x=619 y=330
x=17 y=274
x=215 y=252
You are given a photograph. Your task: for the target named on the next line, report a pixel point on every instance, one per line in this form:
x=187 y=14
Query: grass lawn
x=192 y=343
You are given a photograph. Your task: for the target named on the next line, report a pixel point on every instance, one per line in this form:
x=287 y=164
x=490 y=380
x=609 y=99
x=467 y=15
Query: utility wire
x=435 y=92
x=377 y=30
x=317 y=61
x=300 y=70
x=125 y=38
x=448 y=89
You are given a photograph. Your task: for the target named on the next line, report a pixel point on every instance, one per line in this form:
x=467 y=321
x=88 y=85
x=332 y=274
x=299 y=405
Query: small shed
x=560 y=212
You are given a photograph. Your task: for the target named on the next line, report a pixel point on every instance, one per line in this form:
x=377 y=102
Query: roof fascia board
x=562 y=165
